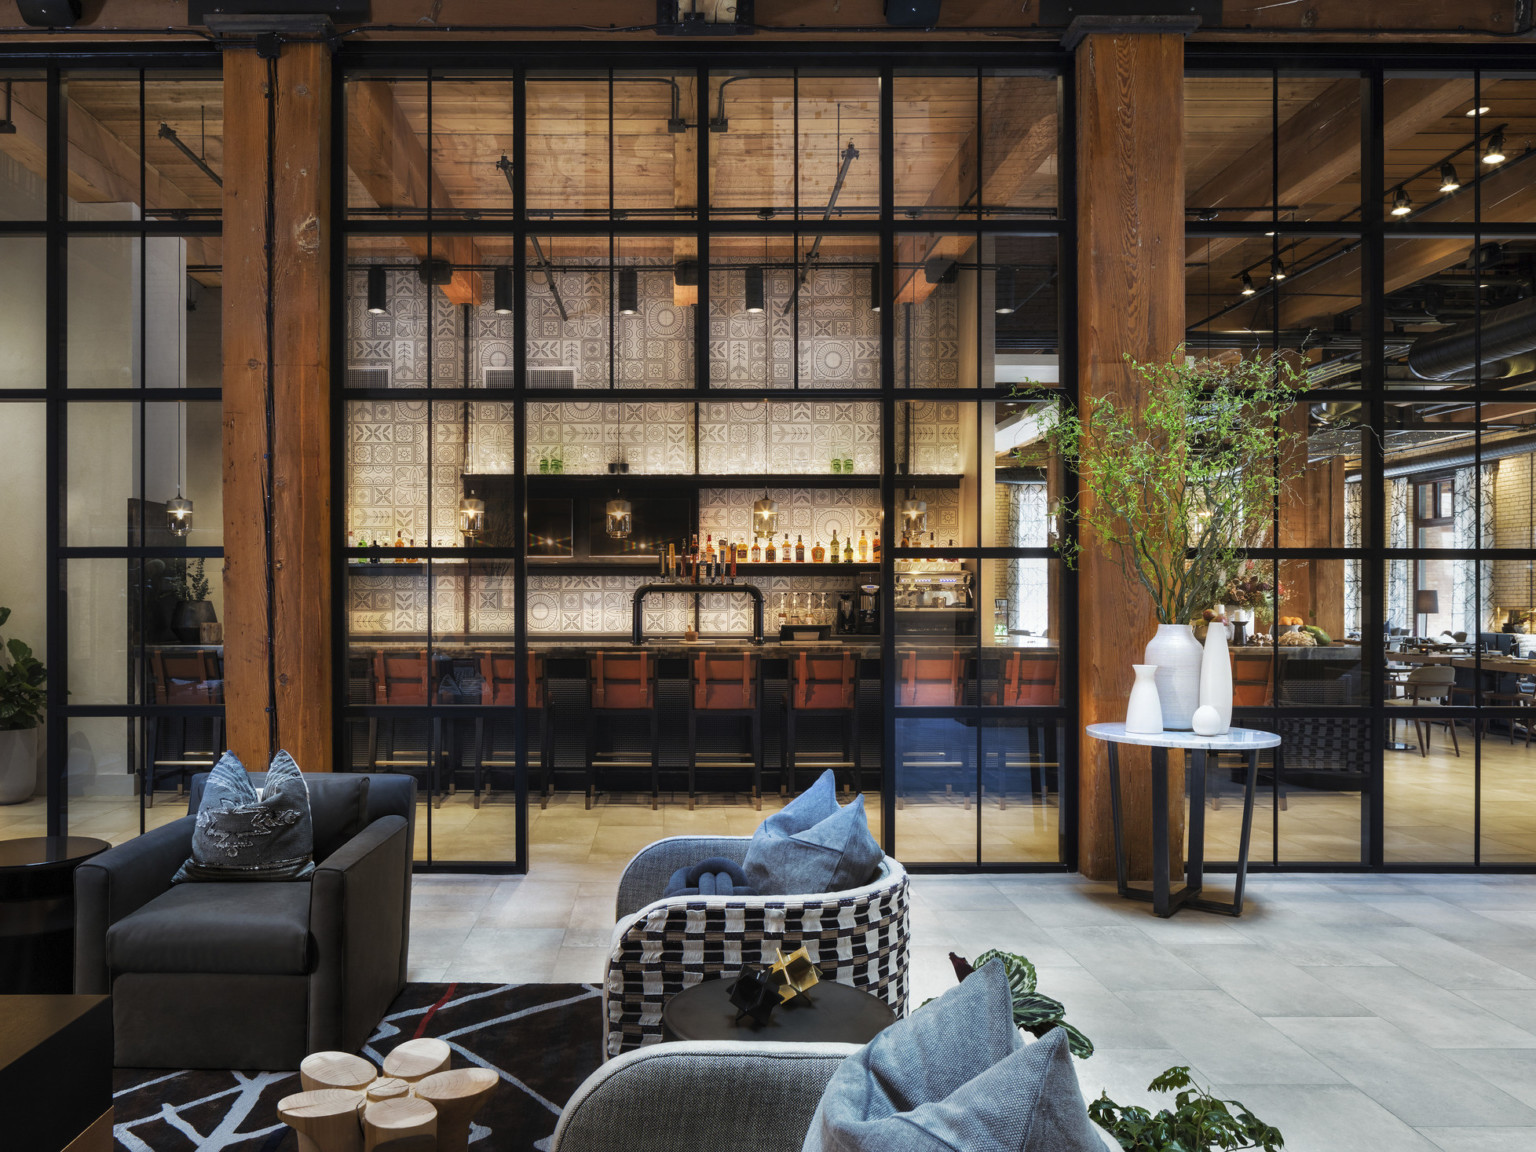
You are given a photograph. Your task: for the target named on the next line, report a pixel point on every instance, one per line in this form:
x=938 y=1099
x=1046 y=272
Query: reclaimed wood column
x=277 y=567
x=1130 y=221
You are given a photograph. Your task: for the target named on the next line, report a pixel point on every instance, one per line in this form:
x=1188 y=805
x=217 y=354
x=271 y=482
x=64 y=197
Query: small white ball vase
x=1207 y=721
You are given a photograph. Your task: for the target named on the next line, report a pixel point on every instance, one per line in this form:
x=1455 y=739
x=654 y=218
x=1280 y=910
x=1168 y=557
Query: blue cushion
x=813 y=845
x=717 y=876
x=240 y=836
x=956 y=1075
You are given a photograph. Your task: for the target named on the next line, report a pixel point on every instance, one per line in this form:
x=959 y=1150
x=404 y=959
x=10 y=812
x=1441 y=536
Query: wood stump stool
x=325 y=1119
x=386 y=1120
x=336 y=1070
x=416 y=1059
x=387 y=1088
x=457 y=1096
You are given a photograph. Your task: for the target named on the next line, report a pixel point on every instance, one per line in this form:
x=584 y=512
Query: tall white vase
x=1176 y=653
x=1216 y=676
x=1144 y=712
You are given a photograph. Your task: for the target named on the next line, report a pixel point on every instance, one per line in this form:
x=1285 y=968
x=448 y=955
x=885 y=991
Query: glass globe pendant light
x=178 y=509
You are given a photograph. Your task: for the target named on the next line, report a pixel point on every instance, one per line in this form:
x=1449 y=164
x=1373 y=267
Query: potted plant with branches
x=1175 y=488
x=194 y=609
x=23 y=696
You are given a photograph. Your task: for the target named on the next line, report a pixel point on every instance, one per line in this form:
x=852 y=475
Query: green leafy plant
x=1199 y=1121
x=23 y=685
x=193 y=584
x=1034 y=1012
x=1176 y=486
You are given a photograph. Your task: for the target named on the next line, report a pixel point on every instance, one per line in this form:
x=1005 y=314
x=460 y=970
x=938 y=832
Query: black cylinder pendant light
x=754 y=293
x=629 y=291
x=377 y=304
x=1003 y=292
x=874 y=288
x=503 y=291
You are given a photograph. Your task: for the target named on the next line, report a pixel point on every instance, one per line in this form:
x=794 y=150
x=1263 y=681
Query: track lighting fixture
x=629 y=291
x=1448 y=180
x=378 y=302
x=1481 y=110
x=1495 y=152
x=754 y=292
x=874 y=288
x=1277 y=269
x=1248 y=288
x=503 y=290
x=1003 y=292
x=1402 y=203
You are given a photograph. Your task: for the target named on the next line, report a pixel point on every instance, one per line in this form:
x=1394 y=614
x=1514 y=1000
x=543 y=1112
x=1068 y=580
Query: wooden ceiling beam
x=388 y=159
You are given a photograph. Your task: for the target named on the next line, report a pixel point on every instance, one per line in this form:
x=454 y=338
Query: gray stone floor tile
x=1426 y=1012
x=1126 y=959
x=1482 y=1139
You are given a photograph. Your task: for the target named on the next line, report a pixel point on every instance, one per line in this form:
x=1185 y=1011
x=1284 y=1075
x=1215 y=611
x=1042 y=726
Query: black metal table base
x=1165 y=902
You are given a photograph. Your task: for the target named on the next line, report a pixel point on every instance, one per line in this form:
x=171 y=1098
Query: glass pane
x=22 y=304
x=936 y=144
x=752 y=163
x=1321 y=507
x=1323 y=789
x=1429 y=778
x=129 y=325
x=816 y=438
x=1508 y=803
x=387 y=490
x=936 y=783
x=583 y=439
x=838 y=153
x=1020 y=621
x=830 y=295
x=104 y=605
x=1320 y=594
x=940 y=324
x=1021 y=774
x=23 y=572
x=102 y=778
x=104 y=176
x=1024 y=307
x=1025 y=481
x=183 y=144
x=387 y=167
x=1020 y=131
x=568 y=145
x=472 y=131
x=1425 y=127
x=23 y=151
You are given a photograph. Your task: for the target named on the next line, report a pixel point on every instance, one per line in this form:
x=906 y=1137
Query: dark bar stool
x=182 y=678
x=931 y=680
x=499 y=689
x=403 y=679
x=822 y=683
x=621 y=684
x=1029 y=680
x=726 y=686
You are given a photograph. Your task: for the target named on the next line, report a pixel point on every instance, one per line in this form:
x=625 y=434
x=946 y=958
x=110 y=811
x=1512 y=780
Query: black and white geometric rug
x=543 y=1040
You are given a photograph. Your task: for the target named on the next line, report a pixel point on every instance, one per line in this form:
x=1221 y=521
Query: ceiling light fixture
x=874 y=288
x=378 y=298
x=685 y=283
x=1482 y=110
x=502 y=292
x=1248 y=288
x=1402 y=203
x=1277 y=269
x=754 y=289
x=1004 y=295
x=1448 y=179
x=1495 y=152
x=629 y=291
x=765 y=512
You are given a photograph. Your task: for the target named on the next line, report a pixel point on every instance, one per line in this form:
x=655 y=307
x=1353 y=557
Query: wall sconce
x=754 y=292
x=471 y=517
x=914 y=516
x=503 y=290
x=765 y=516
x=378 y=300
x=620 y=518
x=685 y=283
x=178 y=515
x=629 y=291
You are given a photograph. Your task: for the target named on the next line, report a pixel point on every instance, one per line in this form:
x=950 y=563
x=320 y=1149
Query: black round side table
x=836 y=1013
x=37 y=912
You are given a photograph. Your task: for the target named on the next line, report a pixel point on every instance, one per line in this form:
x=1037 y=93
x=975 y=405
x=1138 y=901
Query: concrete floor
x=1353 y=1012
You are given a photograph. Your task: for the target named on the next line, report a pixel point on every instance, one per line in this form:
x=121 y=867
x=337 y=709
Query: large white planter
x=1177 y=655
x=18 y=764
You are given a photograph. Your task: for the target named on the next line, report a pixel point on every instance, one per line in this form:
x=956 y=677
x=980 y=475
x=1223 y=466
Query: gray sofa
x=253 y=975
x=702 y=1096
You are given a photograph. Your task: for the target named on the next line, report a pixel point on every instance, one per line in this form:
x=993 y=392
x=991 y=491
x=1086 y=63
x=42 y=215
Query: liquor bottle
x=837 y=549
x=799 y=550
x=669 y=562
x=741 y=551
x=848 y=549
x=757 y=549
x=350 y=544
x=770 y=554
x=877 y=546
x=399 y=543
x=413 y=559
x=709 y=549
x=818 y=554
x=863 y=547
x=786 y=553
x=374 y=559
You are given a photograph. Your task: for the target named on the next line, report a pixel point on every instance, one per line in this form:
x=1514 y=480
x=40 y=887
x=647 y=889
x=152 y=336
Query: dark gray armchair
x=253 y=975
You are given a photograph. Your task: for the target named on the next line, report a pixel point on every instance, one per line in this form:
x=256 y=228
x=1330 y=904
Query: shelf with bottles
x=541 y=483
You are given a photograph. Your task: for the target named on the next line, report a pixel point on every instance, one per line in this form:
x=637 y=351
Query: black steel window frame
x=459 y=63
x=1373 y=229
x=55 y=69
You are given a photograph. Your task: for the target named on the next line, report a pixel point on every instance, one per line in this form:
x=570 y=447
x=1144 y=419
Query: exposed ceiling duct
x=1507 y=333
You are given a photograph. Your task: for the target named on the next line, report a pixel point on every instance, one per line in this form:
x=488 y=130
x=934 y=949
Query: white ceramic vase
x=18 y=764
x=1144 y=712
x=1176 y=653
x=1216 y=677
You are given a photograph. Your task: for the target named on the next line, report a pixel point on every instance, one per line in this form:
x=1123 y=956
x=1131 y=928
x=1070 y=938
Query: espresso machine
x=869 y=609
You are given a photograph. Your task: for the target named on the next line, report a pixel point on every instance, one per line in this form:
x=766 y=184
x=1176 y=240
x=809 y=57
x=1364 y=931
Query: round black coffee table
x=836 y=1012
x=37 y=912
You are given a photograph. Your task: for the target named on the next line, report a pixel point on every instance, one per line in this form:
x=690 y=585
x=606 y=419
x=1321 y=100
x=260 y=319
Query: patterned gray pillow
x=956 y=1074
x=813 y=845
x=240 y=836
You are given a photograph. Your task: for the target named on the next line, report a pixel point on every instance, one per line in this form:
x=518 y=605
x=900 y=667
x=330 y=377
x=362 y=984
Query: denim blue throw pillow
x=240 y=836
x=813 y=845
x=956 y=1075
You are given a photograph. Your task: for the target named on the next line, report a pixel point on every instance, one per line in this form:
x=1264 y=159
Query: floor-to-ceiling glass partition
x=110 y=434
x=692 y=449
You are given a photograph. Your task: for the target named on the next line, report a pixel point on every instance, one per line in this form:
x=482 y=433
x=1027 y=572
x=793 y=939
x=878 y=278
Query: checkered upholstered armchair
x=661 y=946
